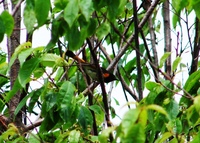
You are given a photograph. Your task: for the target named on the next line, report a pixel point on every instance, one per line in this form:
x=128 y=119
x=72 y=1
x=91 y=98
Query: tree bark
x=195 y=52
x=12 y=43
x=167 y=35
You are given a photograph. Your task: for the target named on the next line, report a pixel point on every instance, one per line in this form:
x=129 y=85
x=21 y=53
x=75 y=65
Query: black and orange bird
x=91 y=70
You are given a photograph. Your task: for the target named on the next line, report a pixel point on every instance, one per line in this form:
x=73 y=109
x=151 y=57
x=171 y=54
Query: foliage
x=71 y=114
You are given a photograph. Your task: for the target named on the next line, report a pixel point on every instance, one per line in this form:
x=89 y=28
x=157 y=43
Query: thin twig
x=137 y=46
x=17 y=6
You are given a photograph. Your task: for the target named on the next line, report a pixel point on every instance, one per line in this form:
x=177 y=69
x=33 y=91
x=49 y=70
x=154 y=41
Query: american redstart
x=90 y=69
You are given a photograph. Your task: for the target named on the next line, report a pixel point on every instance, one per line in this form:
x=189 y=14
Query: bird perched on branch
x=91 y=70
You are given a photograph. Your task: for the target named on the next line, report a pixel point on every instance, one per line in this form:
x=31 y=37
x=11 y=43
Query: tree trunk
x=13 y=42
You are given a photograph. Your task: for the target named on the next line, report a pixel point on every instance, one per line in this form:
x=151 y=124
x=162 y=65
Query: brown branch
x=167 y=35
x=90 y=93
x=148 y=13
x=101 y=81
x=12 y=43
x=137 y=46
x=17 y=6
x=33 y=125
x=188 y=29
x=155 y=72
x=153 y=44
x=196 y=49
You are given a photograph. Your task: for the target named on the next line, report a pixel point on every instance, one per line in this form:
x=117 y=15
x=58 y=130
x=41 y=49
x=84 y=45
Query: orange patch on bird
x=106 y=75
x=79 y=59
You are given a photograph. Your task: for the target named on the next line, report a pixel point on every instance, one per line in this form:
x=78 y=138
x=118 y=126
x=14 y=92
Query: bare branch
x=196 y=49
x=17 y=6
x=167 y=35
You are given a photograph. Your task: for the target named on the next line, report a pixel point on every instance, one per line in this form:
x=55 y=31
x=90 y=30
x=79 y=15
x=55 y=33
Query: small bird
x=91 y=70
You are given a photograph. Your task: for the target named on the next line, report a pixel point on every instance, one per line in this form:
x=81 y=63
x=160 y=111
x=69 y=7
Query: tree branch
x=195 y=51
x=101 y=80
x=167 y=35
x=17 y=6
x=137 y=46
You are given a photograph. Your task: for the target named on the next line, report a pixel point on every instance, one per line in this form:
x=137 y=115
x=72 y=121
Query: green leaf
x=178 y=6
x=34 y=98
x=135 y=134
x=71 y=12
x=3 y=57
x=74 y=136
x=52 y=60
x=38 y=72
x=164 y=58
x=8 y=21
x=176 y=16
x=196 y=103
x=143 y=117
x=24 y=54
x=115 y=8
x=179 y=127
x=193 y=5
x=98 y=4
x=172 y=109
x=2 y=29
x=85 y=119
x=86 y=7
x=72 y=71
x=87 y=28
x=99 y=113
x=96 y=109
x=48 y=123
x=10 y=132
x=42 y=8
x=22 y=104
x=91 y=27
x=74 y=38
x=66 y=100
x=3 y=70
x=164 y=137
x=55 y=33
x=17 y=86
x=51 y=100
x=130 y=66
x=116 y=101
x=158 y=109
x=59 y=74
x=129 y=5
x=175 y=20
x=192 y=84
x=60 y=4
x=197 y=10
x=129 y=118
x=176 y=63
x=29 y=15
x=150 y=85
x=196 y=138
x=27 y=70
x=33 y=138
x=103 y=30
x=103 y=137
x=62 y=138
x=19 y=49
